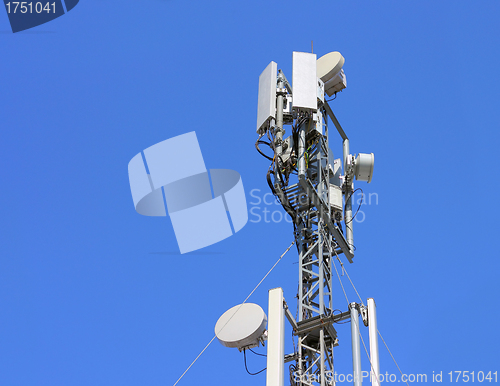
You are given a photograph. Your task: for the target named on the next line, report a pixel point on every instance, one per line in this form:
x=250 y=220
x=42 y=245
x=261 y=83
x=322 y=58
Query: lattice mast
x=308 y=181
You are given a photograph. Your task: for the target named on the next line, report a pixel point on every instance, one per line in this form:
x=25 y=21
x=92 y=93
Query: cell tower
x=316 y=191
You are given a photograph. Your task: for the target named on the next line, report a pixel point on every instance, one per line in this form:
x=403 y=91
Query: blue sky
x=91 y=293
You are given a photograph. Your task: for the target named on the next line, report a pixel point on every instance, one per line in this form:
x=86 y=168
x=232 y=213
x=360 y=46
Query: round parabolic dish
x=329 y=65
x=241 y=325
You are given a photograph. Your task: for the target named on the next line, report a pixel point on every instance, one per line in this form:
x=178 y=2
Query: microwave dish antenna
x=242 y=326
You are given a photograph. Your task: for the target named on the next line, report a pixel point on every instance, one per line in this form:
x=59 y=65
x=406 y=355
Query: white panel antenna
x=304 y=81
x=266 y=106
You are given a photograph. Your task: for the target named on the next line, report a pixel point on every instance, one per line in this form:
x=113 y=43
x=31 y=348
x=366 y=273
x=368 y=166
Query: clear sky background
x=92 y=293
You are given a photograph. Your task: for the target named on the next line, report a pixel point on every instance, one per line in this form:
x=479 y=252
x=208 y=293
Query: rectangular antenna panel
x=336 y=197
x=266 y=106
x=304 y=81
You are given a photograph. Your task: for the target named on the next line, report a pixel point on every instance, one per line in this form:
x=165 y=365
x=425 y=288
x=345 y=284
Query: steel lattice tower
x=306 y=179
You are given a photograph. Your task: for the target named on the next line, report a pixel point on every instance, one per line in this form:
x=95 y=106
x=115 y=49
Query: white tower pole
x=356 y=351
x=276 y=339
x=373 y=333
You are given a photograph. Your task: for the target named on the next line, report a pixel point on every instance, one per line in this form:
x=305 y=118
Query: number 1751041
x=471 y=376
x=30 y=7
